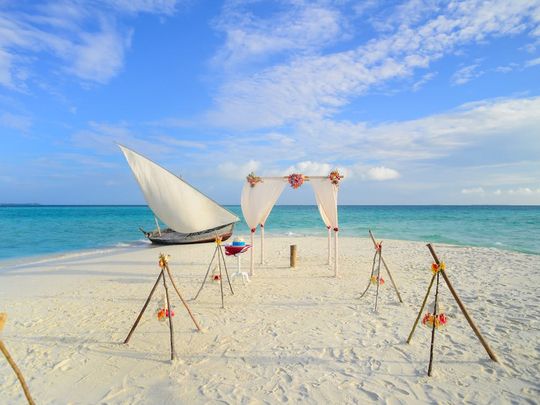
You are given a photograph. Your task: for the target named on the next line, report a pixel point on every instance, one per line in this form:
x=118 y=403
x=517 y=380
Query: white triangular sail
x=179 y=205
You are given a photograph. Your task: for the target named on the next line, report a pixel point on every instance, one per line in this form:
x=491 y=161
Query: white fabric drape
x=326 y=195
x=257 y=203
x=328 y=226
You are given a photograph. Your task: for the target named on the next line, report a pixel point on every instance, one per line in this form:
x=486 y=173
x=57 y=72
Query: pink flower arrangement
x=163 y=313
x=374 y=280
x=296 y=180
x=335 y=177
x=440 y=320
x=253 y=180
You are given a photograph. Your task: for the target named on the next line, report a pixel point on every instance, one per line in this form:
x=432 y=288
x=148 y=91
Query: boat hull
x=171 y=237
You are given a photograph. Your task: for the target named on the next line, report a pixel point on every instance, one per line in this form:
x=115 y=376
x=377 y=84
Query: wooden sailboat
x=170 y=237
x=191 y=216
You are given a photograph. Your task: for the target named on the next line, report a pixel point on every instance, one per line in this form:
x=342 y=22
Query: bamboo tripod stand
x=4 y=350
x=378 y=254
x=164 y=265
x=473 y=326
x=220 y=257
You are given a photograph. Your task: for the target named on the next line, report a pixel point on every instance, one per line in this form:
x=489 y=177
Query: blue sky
x=418 y=102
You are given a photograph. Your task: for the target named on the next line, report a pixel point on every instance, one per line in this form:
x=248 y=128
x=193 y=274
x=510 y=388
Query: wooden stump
x=293 y=256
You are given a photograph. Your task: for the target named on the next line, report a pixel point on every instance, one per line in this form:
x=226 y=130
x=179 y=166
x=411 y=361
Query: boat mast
x=157 y=224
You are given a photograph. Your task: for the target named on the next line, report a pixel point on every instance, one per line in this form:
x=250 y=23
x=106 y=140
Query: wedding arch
x=259 y=195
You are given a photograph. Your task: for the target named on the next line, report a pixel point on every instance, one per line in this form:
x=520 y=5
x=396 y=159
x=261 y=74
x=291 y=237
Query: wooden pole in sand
x=372 y=273
x=336 y=252
x=169 y=313
x=434 y=326
x=20 y=377
x=226 y=271
x=386 y=267
x=206 y=275
x=463 y=309
x=252 y=254
x=182 y=299
x=220 y=279
x=161 y=274
x=378 y=276
x=329 y=244
x=292 y=260
x=421 y=309
x=262 y=243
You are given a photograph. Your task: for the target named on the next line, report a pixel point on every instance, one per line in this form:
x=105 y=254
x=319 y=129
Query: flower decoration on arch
x=252 y=179
x=335 y=177
x=296 y=180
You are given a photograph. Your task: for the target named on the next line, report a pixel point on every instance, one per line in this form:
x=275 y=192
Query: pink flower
x=443 y=319
x=296 y=180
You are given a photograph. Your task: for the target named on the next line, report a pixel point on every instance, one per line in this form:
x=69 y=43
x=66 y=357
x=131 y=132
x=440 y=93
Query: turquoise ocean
x=34 y=231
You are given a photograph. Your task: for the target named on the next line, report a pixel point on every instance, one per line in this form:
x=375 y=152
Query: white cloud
x=181 y=143
x=321 y=145
x=167 y=7
x=282 y=139
x=296 y=27
x=236 y=171
x=523 y=191
x=102 y=138
x=6 y=75
x=19 y=122
x=532 y=62
x=316 y=86
x=507 y=68
x=82 y=38
x=310 y=168
x=423 y=80
x=466 y=74
x=520 y=191
x=99 y=56
x=429 y=137
x=382 y=173
x=476 y=190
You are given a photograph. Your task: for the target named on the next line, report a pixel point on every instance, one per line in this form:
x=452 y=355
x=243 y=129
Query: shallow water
x=44 y=230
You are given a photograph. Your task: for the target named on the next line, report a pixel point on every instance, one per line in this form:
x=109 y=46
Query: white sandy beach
x=290 y=335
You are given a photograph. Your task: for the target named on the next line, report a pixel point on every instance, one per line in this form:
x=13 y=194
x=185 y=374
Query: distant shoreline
x=20 y=205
